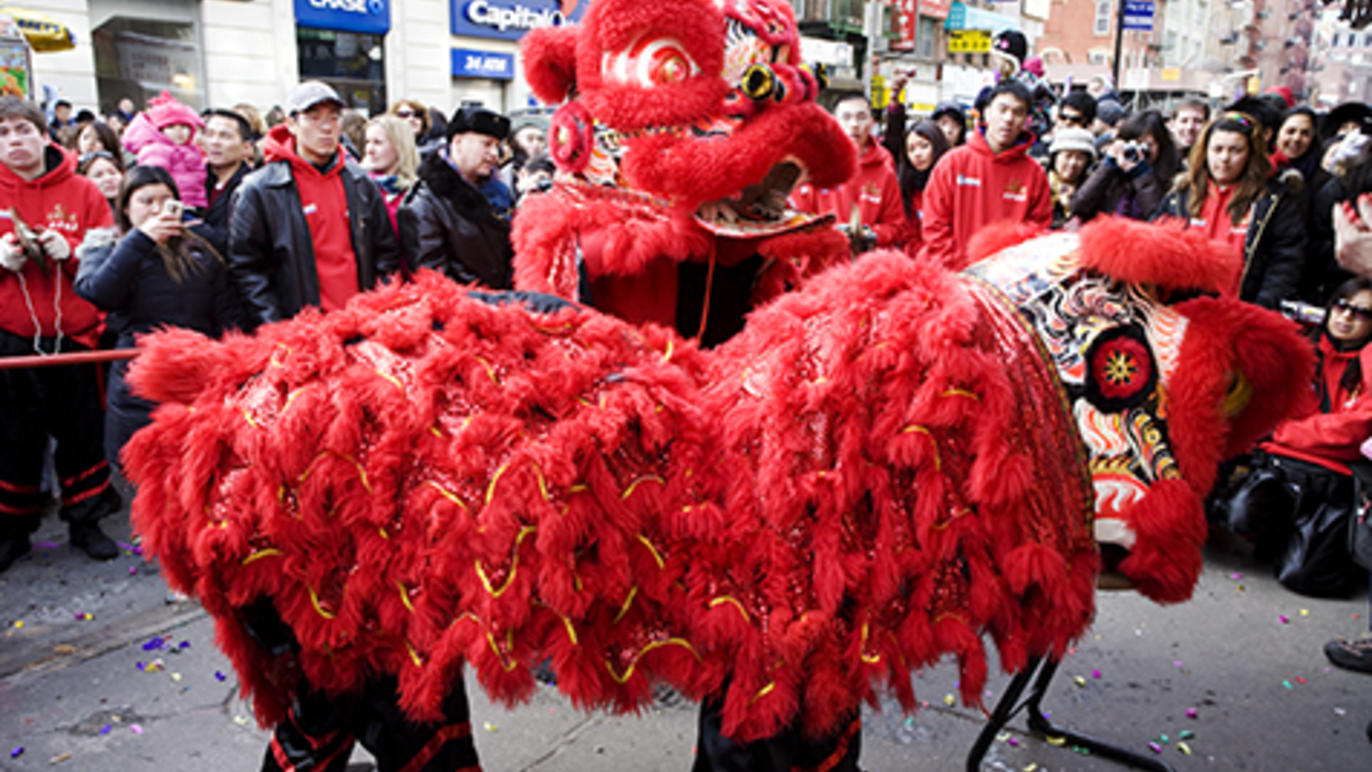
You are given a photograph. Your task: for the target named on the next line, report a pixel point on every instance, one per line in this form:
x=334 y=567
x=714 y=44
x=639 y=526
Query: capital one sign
x=369 y=16
x=510 y=19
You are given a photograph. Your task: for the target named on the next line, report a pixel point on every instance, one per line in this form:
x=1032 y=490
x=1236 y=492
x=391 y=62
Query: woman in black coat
x=158 y=274
x=1134 y=175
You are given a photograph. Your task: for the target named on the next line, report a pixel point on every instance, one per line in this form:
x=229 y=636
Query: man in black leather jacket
x=309 y=227
x=446 y=223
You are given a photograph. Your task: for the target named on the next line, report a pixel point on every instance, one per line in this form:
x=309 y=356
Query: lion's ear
x=550 y=62
x=1162 y=253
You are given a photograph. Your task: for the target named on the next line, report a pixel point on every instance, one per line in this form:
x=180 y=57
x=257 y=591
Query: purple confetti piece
x=106 y=729
x=183 y=645
x=17 y=751
x=137 y=550
x=1282 y=618
x=155 y=643
x=136 y=728
x=218 y=676
x=80 y=615
x=1192 y=713
x=133 y=570
x=46 y=545
x=1154 y=747
x=1095 y=673
x=123 y=545
x=1014 y=743
x=1176 y=663
x=140 y=665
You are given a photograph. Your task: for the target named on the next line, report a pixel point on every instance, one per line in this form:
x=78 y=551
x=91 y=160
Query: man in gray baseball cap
x=310 y=227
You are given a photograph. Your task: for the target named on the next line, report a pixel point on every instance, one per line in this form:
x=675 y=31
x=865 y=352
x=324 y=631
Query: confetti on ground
x=1031 y=766
x=1184 y=748
x=1239 y=587
x=59 y=758
x=106 y=729
x=1287 y=684
x=133 y=570
x=16 y=751
x=1305 y=612
x=240 y=720
x=1056 y=741
x=1176 y=663
x=136 y=728
x=19 y=624
x=1300 y=680
x=1192 y=713
x=489 y=726
x=1236 y=576
x=155 y=643
x=1282 y=618
x=1340 y=712
x=1185 y=734
x=84 y=616
x=1013 y=742
x=176 y=677
x=1096 y=674
x=949 y=699
x=1154 y=747
x=219 y=676
x=183 y=645
x=1079 y=681
x=1164 y=739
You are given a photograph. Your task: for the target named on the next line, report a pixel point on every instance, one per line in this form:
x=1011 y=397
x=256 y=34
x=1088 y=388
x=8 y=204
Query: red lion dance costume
x=887 y=464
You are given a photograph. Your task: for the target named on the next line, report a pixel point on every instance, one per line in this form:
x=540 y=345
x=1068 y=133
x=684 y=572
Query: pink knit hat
x=164 y=111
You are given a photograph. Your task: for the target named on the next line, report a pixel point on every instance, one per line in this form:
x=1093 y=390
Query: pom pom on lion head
x=682 y=123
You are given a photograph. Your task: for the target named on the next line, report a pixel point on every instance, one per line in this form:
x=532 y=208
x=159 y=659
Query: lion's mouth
x=759 y=209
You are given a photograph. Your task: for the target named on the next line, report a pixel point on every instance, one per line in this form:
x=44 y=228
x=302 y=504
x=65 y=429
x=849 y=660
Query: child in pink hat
x=164 y=135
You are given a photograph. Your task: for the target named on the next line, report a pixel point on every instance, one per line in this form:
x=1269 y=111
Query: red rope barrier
x=70 y=358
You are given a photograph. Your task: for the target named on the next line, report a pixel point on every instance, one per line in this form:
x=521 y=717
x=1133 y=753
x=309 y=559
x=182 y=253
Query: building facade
x=220 y=52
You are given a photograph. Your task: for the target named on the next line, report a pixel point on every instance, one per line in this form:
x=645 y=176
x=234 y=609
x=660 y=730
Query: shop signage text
x=969 y=41
x=370 y=16
x=468 y=63
x=510 y=19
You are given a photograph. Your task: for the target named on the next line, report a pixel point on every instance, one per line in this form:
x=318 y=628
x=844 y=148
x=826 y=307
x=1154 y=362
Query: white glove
x=12 y=256
x=55 y=244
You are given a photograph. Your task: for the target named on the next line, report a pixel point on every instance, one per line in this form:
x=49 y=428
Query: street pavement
x=101 y=670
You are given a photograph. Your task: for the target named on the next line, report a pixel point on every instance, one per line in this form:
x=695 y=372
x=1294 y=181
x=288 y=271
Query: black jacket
x=130 y=282
x=1108 y=185
x=271 y=256
x=447 y=224
x=1273 y=248
x=215 y=225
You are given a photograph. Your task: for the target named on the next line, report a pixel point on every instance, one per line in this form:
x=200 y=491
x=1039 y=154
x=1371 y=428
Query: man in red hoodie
x=45 y=211
x=868 y=205
x=309 y=228
x=989 y=179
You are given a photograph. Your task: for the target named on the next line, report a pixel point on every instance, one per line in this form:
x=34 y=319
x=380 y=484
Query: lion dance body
x=888 y=463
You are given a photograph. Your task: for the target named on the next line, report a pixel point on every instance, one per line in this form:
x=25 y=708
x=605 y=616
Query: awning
x=964 y=16
x=43 y=33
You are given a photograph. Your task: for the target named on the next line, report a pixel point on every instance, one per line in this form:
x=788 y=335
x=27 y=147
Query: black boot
x=88 y=538
x=12 y=548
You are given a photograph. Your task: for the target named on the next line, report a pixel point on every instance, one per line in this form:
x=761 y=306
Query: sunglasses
x=94 y=154
x=405 y=113
x=1359 y=312
x=1076 y=118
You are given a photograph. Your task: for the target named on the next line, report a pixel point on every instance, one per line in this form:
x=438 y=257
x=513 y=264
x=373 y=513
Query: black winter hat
x=1012 y=45
x=474 y=118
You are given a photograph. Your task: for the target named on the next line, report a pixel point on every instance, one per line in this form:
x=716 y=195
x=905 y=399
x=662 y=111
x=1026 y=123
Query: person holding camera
x=1135 y=173
x=158 y=274
x=1229 y=192
x=49 y=208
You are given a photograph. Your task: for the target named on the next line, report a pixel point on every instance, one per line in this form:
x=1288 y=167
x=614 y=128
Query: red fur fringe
x=1161 y=254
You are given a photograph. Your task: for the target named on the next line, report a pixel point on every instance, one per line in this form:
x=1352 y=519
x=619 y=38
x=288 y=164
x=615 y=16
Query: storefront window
x=352 y=62
x=140 y=58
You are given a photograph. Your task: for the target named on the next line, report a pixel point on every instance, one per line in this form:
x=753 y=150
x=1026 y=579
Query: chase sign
x=510 y=19
x=369 y=16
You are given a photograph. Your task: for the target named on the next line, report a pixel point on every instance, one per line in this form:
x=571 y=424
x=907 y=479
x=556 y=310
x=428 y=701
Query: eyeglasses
x=92 y=155
x=1361 y=313
x=1076 y=118
x=405 y=113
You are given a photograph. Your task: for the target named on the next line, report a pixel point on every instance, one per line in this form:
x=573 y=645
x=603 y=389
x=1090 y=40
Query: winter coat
x=972 y=186
x=62 y=200
x=1334 y=434
x=271 y=253
x=448 y=225
x=873 y=191
x=186 y=163
x=129 y=281
x=216 y=218
x=1322 y=274
x=1111 y=190
x=1274 y=245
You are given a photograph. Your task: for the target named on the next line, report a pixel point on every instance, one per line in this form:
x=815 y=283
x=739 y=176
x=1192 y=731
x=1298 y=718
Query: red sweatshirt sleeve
x=938 y=215
x=1335 y=435
x=890 y=222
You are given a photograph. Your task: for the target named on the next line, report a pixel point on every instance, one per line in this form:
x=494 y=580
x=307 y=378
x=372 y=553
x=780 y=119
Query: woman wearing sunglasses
x=416 y=116
x=1302 y=484
x=1229 y=191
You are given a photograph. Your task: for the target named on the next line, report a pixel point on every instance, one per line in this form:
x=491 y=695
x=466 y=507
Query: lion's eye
x=651 y=62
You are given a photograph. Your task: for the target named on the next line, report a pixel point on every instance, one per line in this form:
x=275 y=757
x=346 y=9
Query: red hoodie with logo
x=972 y=186
x=873 y=190
x=61 y=200
x=325 y=206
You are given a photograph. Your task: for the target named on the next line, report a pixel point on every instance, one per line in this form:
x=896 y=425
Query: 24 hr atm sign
x=510 y=19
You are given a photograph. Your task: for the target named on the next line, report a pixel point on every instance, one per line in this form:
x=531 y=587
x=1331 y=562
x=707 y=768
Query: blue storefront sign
x=510 y=19
x=469 y=63
x=1139 y=14
x=369 y=16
